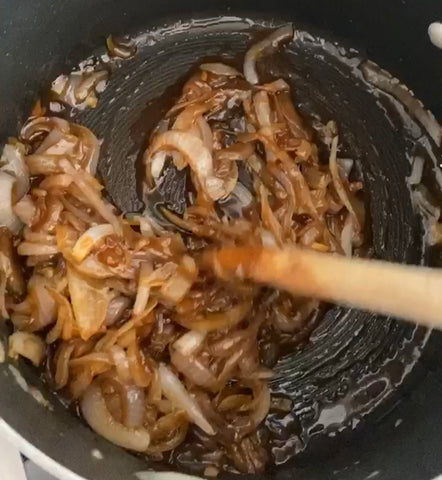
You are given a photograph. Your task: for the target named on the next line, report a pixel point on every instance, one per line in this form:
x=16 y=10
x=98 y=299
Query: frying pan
x=367 y=389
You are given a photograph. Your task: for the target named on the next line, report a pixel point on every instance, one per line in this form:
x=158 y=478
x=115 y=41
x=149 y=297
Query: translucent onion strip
x=175 y=391
x=97 y=415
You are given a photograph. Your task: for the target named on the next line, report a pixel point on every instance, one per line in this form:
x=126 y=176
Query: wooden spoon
x=408 y=292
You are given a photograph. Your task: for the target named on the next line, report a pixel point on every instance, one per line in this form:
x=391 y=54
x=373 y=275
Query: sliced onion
x=269 y=220
x=121 y=47
x=197 y=156
x=190 y=342
x=261 y=405
x=60 y=181
x=193 y=369
x=275 y=86
x=57 y=143
x=90 y=239
x=8 y=218
x=133 y=399
x=90 y=147
x=205 y=132
x=64 y=354
x=119 y=358
x=25 y=209
x=288 y=113
x=27 y=345
x=45 y=307
x=337 y=181
x=43 y=164
x=177 y=286
x=115 y=310
x=30 y=248
x=93 y=197
x=174 y=390
x=97 y=415
x=3 y=282
x=157 y=164
x=262 y=108
x=143 y=288
x=258 y=49
x=89 y=303
x=38 y=237
x=220 y=69
x=41 y=125
x=13 y=162
x=88 y=83
x=347 y=235
x=65 y=318
x=237 y=151
x=416 y=171
x=218 y=321
x=345 y=164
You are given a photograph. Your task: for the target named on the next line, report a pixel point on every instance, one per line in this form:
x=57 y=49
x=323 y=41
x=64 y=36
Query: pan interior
x=356 y=361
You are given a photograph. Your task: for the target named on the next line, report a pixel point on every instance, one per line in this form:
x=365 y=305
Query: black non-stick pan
x=367 y=390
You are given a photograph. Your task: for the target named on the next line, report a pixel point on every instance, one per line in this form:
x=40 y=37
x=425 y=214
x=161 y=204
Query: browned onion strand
x=129 y=322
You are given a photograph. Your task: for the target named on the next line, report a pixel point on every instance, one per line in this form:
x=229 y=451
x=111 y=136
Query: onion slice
x=337 y=181
x=27 y=345
x=89 y=303
x=258 y=49
x=93 y=197
x=197 y=156
x=90 y=239
x=174 y=390
x=220 y=69
x=261 y=405
x=190 y=342
x=13 y=162
x=8 y=218
x=97 y=415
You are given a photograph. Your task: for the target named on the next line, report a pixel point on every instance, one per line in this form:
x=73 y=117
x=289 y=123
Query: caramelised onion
x=268 y=217
x=3 y=282
x=89 y=303
x=25 y=210
x=44 y=306
x=12 y=161
x=38 y=126
x=205 y=132
x=121 y=47
x=8 y=218
x=90 y=147
x=91 y=239
x=89 y=84
x=190 y=342
x=116 y=308
x=196 y=155
x=144 y=285
x=283 y=33
x=97 y=415
x=337 y=181
x=347 y=235
x=193 y=369
x=261 y=404
x=262 y=108
x=30 y=248
x=175 y=391
x=92 y=196
x=220 y=69
x=118 y=299
x=27 y=345
x=218 y=321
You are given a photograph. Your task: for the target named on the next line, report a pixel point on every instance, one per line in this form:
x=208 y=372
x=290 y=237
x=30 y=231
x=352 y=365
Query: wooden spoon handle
x=408 y=292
